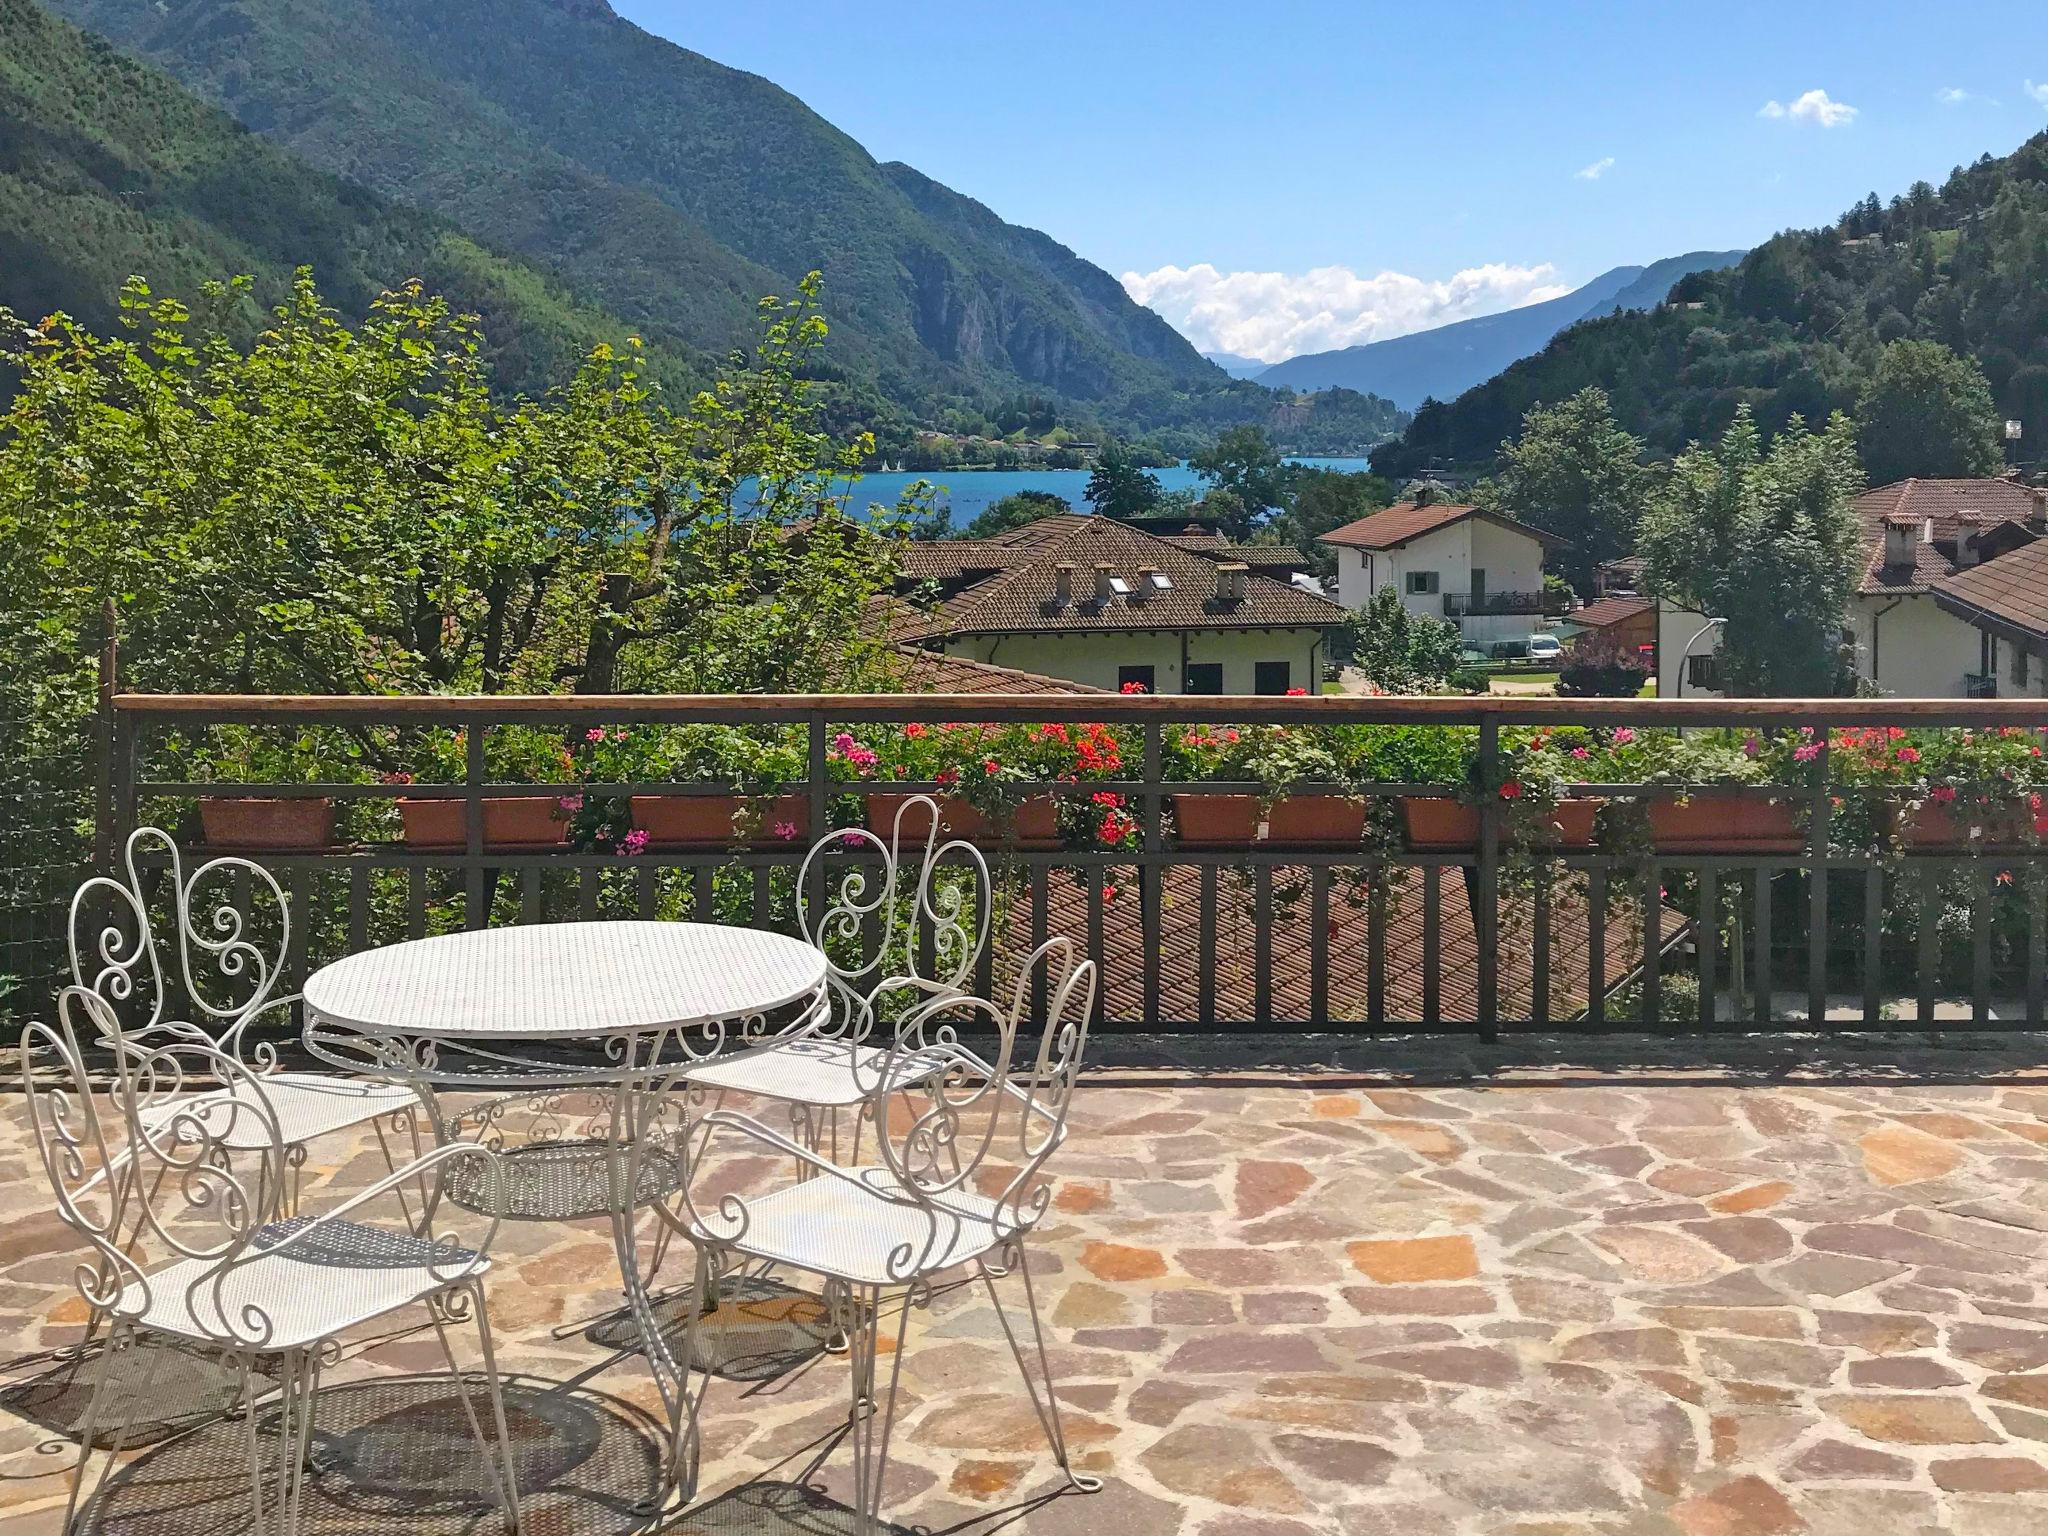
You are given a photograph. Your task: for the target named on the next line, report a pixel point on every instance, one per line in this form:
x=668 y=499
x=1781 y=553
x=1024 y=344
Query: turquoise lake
x=966 y=492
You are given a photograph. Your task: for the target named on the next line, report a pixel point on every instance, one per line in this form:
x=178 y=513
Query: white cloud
x=1277 y=315
x=1814 y=107
x=1596 y=170
x=2039 y=93
x=1952 y=96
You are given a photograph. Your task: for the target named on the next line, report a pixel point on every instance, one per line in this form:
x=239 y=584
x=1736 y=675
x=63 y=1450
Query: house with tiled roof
x=1101 y=603
x=1932 y=577
x=1448 y=560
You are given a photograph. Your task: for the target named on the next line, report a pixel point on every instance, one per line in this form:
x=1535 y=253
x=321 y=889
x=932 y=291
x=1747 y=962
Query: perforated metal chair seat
x=347 y=1274
x=826 y=1226
x=307 y=1105
x=831 y=1074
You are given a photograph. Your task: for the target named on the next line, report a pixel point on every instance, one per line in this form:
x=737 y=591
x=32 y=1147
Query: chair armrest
x=732 y=1208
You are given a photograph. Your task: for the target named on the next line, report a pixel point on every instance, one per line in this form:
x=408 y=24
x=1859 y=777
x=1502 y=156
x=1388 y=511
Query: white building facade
x=1482 y=571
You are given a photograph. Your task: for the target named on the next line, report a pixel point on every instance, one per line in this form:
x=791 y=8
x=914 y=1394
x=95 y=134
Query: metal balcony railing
x=1459 y=605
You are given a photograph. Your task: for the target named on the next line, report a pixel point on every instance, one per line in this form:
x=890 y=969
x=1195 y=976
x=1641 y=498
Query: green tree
x=1118 y=487
x=1575 y=473
x=1244 y=462
x=1767 y=541
x=1322 y=499
x=1400 y=651
x=1927 y=412
x=352 y=510
x=1014 y=511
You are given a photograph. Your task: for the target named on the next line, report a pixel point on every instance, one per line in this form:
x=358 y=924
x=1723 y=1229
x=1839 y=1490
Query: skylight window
x=1162 y=581
x=1119 y=586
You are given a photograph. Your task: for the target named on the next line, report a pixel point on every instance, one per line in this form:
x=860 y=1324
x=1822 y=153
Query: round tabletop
x=565 y=981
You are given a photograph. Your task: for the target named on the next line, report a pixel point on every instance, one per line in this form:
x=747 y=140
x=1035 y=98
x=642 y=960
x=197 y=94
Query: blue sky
x=1297 y=173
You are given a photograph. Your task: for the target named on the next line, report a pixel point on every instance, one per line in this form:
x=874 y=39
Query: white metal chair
x=198 y=1178
x=227 y=959
x=891 y=944
x=924 y=1207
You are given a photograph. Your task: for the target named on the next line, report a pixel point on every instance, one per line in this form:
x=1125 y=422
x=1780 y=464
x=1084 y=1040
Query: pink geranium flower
x=785 y=830
x=1624 y=735
x=633 y=842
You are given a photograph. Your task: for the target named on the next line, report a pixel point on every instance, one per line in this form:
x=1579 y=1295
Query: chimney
x=1144 y=588
x=1901 y=535
x=1102 y=591
x=1969 y=528
x=1230 y=581
x=1062 y=584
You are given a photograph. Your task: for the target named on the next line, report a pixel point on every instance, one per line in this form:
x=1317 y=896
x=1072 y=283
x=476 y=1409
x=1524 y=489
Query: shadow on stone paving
x=762 y=1329
x=398 y=1453
x=1843 y=1056
x=159 y=1387
x=776 y=1509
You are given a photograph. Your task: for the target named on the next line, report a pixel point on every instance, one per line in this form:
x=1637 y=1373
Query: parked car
x=1545 y=648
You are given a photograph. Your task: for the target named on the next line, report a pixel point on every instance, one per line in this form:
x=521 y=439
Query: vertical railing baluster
x=2037 y=940
x=1041 y=892
x=416 y=900
x=1150 y=870
x=473 y=913
x=1930 y=943
x=299 y=883
x=1206 y=958
x=1319 y=946
x=1376 y=945
x=530 y=880
x=589 y=884
x=703 y=893
x=1983 y=913
x=358 y=905
x=1095 y=945
x=1486 y=917
x=817 y=789
x=764 y=895
x=1873 y=944
x=1817 y=835
x=650 y=890
x=1760 y=943
x=1539 y=973
x=1432 y=945
x=1596 y=946
x=1262 y=944
x=1651 y=902
x=1706 y=930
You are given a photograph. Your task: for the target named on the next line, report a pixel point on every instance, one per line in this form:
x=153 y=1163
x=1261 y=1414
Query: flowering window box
x=677 y=822
x=1438 y=825
x=512 y=824
x=1034 y=824
x=1718 y=821
x=1935 y=826
x=1216 y=821
x=267 y=826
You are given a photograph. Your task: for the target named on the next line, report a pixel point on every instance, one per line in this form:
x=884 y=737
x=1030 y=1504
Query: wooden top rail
x=1325 y=709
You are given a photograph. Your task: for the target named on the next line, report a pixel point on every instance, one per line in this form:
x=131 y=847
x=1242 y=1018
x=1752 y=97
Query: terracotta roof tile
x=1407 y=520
x=1022 y=597
x=935 y=672
x=1612 y=610
x=1939 y=504
x=2013 y=587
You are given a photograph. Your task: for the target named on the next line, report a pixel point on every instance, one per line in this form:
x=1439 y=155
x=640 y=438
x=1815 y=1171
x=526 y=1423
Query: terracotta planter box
x=1323 y=821
x=1451 y=826
x=711 y=821
x=1436 y=825
x=1717 y=822
x=1035 y=824
x=515 y=823
x=1216 y=821
x=1932 y=828
x=267 y=826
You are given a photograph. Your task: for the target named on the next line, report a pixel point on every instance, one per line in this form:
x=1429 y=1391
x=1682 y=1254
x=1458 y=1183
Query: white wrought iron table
x=622 y=1008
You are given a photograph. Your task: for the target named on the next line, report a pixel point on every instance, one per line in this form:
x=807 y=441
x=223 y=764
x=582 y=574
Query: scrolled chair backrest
x=161 y=1164
x=964 y=1112
x=886 y=932
x=221 y=958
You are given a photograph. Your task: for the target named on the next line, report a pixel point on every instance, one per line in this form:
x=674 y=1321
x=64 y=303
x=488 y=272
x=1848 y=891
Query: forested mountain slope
x=671 y=190
x=108 y=168
x=1797 y=325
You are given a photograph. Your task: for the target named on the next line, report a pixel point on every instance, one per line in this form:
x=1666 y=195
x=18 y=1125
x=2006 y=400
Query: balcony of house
x=1462 y=605
x=1300 y=1251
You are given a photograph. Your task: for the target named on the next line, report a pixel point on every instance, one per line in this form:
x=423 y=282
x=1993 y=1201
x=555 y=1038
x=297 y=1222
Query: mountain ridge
x=1444 y=361
x=672 y=190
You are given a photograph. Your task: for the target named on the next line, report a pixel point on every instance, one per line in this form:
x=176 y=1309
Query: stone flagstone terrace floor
x=1636 y=1307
